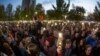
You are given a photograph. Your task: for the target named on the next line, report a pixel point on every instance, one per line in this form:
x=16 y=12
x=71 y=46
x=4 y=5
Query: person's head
x=76 y=35
x=46 y=33
x=59 y=49
x=76 y=29
x=88 y=50
x=88 y=32
x=68 y=43
x=92 y=34
x=25 y=33
x=47 y=43
x=83 y=33
x=20 y=44
x=33 y=50
x=26 y=41
x=81 y=42
x=9 y=39
x=98 y=33
x=67 y=32
x=98 y=45
x=7 y=49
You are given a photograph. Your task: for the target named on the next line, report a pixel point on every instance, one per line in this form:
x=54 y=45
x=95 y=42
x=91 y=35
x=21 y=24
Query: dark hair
x=68 y=41
x=84 y=43
x=87 y=46
x=7 y=49
x=33 y=49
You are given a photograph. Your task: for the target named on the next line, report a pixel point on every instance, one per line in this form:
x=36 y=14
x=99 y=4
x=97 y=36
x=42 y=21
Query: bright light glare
x=60 y=35
x=55 y=23
x=82 y=23
x=44 y=28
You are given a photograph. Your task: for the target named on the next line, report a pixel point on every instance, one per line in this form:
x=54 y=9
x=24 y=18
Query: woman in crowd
x=88 y=51
x=80 y=48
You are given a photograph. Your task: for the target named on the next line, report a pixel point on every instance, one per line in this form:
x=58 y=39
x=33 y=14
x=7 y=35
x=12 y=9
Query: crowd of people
x=41 y=38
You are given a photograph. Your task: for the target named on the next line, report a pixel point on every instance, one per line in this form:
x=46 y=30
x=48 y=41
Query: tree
x=51 y=14
x=31 y=11
x=90 y=17
x=2 y=12
x=40 y=11
x=77 y=13
x=39 y=7
x=24 y=14
x=59 y=11
x=97 y=12
x=9 y=11
x=18 y=13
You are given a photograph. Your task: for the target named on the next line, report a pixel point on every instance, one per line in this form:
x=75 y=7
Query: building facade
x=33 y=3
x=27 y=3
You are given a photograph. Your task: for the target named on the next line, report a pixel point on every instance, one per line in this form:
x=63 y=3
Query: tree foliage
x=59 y=11
x=2 y=12
x=40 y=10
x=9 y=12
x=28 y=13
x=97 y=12
x=18 y=13
x=77 y=13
